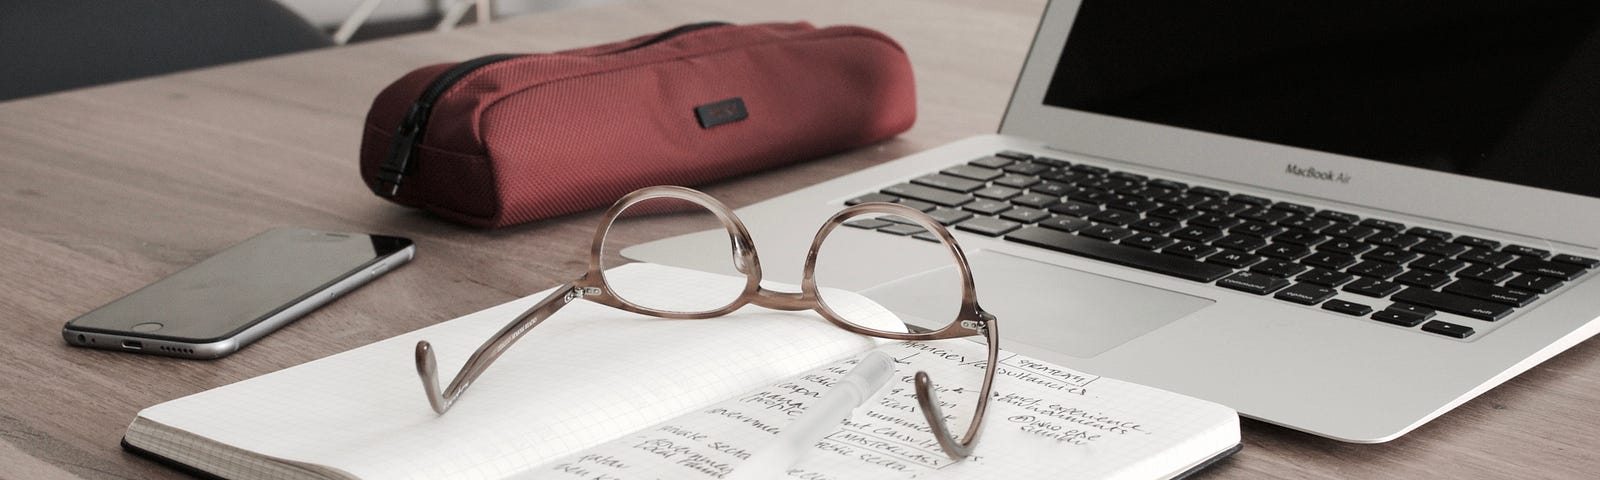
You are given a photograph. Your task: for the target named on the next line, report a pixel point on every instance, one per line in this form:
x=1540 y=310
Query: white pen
x=772 y=461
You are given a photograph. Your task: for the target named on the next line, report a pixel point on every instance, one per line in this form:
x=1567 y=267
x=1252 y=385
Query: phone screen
x=246 y=283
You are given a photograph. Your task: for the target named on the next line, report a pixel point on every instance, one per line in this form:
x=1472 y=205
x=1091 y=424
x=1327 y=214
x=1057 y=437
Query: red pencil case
x=507 y=139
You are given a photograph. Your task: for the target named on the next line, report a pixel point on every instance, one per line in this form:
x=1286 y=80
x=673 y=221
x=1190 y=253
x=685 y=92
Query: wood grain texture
x=109 y=188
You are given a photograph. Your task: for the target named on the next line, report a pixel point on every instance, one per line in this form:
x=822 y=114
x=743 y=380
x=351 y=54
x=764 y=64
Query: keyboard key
x=1169 y=184
x=1584 y=262
x=1485 y=273
x=1534 y=283
x=1486 y=256
x=1197 y=234
x=1525 y=251
x=1457 y=304
x=1065 y=224
x=1148 y=241
x=1309 y=224
x=1148 y=192
x=1174 y=213
x=1132 y=204
x=1439 y=247
x=1114 y=217
x=1383 y=224
x=1090 y=169
x=1375 y=269
x=1390 y=255
x=973 y=172
x=1014 y=155
x=1429 y=233
x=1215 y=220
x=1326 y=278
x=1026 y=168
x=1564 y=271
x=1438 y=264
x=1017 y=181
x=1398 y=318
x=1184 y=199
x=1305 y=294
x=1372 y=287
x=1329 y=260
x=1350 y=231
x=1286 y=251
x=1347 y=308
x=1119 y=254
x=1250 y=199
x=1065 y=176
x=1394 y=240
x=1054 y=189
x=1252 y=282
x=1051 y=161
x=928 y=194
x=1233 y=259
x=1035 y=200
x=1257 y=229
x=869 y=223
x=1208 y=192
x=1074 y=208
x=1423 y=278
x=1472 y=241
x=1240 y=242
x=1105 y=232
x=1265 y=215
x=947 y=216
x=947 y=182
x=1155 y=225
x=1345 y=246
x=988 y=226
x=1338 y=216
x=902 y=229
x=1419 y=311
x=1300 y=237
x=1278 y=268
x=986 y=207
x=997 y=192
x=1484 y=291
x=992 y=161
x=1225 y=207
x=918 y=204
x=1189 y=250
x=1025 y=215
x=871 y=197
x=1294 y=207
x=1447 y=329
x=1128 y=176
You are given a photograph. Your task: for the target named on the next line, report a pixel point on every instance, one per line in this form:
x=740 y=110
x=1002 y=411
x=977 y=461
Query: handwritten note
x=1044 y=421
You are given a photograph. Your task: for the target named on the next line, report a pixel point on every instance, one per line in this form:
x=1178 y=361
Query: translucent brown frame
x=971 y=320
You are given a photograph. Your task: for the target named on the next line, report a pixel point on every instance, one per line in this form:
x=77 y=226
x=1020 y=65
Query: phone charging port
x=133 y=345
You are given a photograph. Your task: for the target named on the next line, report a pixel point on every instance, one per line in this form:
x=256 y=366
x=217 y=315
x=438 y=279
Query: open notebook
x=597 y=393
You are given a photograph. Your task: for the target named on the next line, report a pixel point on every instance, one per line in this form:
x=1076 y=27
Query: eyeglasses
x=970 y=320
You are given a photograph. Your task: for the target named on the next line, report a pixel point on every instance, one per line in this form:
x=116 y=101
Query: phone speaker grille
x=177 y=350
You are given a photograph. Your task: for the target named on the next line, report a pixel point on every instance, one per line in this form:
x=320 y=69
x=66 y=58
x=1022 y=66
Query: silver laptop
x=1341 y=220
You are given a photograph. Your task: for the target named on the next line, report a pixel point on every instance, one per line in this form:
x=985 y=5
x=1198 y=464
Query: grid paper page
x=1044 y=421
x=588 y=374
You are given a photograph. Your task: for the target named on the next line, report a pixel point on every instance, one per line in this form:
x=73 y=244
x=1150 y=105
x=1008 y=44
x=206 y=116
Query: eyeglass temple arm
x=428 y=368
x=931 y=412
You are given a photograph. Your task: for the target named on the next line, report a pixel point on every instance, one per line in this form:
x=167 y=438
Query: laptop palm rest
x=1050 y=307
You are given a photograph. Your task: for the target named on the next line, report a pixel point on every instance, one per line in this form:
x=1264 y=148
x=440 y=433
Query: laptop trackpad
x=1047 y=306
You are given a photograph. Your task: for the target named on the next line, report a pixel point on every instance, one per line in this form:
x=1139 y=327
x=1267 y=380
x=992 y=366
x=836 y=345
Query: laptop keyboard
x=1291 y=252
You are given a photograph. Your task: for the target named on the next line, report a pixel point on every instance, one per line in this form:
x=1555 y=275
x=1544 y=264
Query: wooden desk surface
x=107 y=189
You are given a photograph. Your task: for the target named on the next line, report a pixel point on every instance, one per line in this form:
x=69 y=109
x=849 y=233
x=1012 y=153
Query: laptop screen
x=1501 y=90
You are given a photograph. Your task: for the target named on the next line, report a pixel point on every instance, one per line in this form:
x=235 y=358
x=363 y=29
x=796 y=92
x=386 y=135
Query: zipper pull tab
x=392 y=172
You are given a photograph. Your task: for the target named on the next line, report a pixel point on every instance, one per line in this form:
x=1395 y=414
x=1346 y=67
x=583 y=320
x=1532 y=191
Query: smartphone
x=227 y=301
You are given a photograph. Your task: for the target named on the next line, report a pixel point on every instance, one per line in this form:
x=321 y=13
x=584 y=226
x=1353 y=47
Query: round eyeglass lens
x=702 y=241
